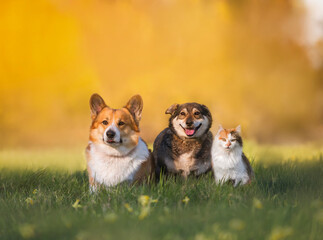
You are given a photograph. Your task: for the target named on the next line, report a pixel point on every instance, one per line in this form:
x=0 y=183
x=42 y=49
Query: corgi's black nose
x=110 y=134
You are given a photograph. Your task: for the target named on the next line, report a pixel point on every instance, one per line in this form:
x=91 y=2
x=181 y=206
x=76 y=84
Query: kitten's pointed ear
x=135 y=106
x=220 y=128
x=238 y=129
x=96 y=104
x=171 y=109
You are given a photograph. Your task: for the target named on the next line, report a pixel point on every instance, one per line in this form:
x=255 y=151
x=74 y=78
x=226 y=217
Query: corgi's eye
x=121 y=123
x=223 y=139
x=182 y=113
x=105 y=122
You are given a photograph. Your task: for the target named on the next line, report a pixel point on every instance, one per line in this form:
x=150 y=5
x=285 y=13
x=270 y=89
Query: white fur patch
x=205 y=125
x=177 y=126
x=185 y=162
x=228 y=164
x=109 y=170
x=113 y=127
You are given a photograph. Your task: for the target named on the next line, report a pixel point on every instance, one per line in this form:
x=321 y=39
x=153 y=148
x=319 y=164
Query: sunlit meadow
x=254 y=63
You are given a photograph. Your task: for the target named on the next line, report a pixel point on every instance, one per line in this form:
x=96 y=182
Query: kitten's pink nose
x=228 y=144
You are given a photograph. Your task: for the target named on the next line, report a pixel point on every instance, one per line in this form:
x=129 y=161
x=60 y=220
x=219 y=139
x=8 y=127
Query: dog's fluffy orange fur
x=115 y=152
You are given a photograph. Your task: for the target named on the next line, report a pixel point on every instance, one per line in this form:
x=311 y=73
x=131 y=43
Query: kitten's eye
x=121 y=123
x=182 y=113
x=197 y=113
x=223 y=139
x=233 y=140
x=105 y=122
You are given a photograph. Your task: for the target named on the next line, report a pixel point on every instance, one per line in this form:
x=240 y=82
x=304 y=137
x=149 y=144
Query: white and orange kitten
x=228 y=161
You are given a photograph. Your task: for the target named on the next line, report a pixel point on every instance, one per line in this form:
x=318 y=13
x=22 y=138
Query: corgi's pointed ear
x=135 y=106
x=96 y=104
x=238 y=129
x=171 y=109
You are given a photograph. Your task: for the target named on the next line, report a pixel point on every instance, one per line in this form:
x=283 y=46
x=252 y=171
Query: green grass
x=285 y=202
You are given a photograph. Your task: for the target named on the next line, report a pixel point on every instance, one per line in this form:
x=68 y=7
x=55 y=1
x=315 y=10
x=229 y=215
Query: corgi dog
x=116 y=153
x=184 y=148
x=228 y=161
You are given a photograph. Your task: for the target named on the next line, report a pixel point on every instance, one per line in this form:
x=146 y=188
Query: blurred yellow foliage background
x=244 y=59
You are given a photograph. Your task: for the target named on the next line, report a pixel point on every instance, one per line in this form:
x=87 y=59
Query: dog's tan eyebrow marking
x=184 y=110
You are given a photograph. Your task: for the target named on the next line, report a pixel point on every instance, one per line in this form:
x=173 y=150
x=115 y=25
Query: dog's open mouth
x=191 y=131
x=112 y=141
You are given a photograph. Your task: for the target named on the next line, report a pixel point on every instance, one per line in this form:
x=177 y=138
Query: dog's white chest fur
x=185 y=162
x=182 y=163
x=228 y=165
x=110 y=170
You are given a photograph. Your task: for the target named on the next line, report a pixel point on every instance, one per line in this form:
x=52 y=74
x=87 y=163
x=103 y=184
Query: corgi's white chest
x=111 y=171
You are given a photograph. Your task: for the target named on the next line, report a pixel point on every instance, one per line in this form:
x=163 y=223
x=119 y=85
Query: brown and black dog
x=185 y=146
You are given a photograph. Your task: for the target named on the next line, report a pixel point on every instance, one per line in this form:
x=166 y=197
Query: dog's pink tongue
x=189 y=132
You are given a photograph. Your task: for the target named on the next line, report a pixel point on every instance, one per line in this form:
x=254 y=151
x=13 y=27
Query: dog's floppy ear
x=171 y=109
x=135 y=105
x=96 y=104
